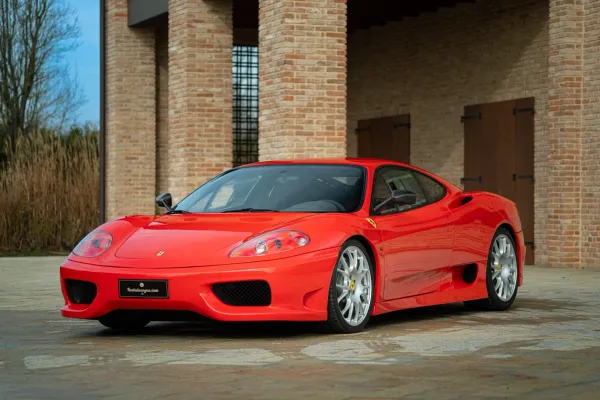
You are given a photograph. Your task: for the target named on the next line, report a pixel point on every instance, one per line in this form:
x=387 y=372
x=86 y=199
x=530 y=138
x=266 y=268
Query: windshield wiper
x=173 y=211
x=250 y=209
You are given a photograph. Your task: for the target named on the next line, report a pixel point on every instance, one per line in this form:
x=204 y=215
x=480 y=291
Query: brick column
x=590 y=146
x=162 y=109
x=130 y=115
x=573 y=133
x=200 y=92
x=302 y=50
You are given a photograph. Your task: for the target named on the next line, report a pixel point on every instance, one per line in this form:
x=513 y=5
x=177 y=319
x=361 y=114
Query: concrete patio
x=546 y=347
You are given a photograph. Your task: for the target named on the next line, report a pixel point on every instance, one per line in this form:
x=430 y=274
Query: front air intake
x=80 y=292
x=245 y=293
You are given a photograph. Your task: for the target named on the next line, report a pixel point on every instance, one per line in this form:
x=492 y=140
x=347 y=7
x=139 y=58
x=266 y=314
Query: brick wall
x=302 y=79
x=574 y=135
x=162 y=108
x=200 y=92
x=433 y=65
x=130 y=115
x=565 y=127
x=590 y=235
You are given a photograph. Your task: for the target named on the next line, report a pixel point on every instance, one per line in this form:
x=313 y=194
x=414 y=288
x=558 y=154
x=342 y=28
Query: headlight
x=271 y=243
x=94 y=244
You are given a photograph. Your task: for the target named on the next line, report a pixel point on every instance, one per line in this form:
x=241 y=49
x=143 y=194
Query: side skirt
x=458 y=283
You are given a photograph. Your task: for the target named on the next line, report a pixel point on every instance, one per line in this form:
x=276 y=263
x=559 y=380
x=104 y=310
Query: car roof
x=340 y=161
x=364 y=162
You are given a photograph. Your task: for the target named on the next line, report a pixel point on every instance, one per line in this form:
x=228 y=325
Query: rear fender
x=508 y=216
x=496 y=203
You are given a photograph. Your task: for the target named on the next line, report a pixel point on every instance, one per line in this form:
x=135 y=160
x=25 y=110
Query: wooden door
x=523 y=175
x=499 y=156
x=474 y=162
x=386 y=138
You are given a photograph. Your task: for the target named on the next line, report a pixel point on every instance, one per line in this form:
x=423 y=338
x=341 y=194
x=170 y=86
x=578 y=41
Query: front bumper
x=299 y=289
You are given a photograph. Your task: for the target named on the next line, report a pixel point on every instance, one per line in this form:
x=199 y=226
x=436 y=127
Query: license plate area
x=143 y=288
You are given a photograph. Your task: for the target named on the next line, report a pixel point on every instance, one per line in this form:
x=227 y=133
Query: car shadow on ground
x=266 y=330
x=272 y=330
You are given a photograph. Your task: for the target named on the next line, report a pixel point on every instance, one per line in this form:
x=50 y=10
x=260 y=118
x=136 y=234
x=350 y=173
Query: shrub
x=49 y=192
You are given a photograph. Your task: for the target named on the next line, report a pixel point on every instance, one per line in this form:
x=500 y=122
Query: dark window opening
x=388 y=179
x=245 y=105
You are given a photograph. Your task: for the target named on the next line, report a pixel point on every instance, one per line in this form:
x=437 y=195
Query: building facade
x=497 y=95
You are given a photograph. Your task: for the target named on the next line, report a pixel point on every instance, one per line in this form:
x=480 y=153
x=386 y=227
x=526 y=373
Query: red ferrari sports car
x=306 y=240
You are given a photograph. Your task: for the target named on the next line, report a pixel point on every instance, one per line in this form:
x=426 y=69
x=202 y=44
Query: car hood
x=183 y=240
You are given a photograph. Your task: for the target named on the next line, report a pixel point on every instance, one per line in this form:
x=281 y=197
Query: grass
x=49 y=194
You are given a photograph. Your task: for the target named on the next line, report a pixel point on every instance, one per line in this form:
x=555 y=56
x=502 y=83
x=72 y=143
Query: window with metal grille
x=245 y=104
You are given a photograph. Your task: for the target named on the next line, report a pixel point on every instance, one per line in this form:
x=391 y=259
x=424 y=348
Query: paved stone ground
x=546 y=347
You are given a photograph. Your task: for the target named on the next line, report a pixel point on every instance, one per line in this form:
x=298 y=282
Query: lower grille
x=246 y=293
x=80 y=292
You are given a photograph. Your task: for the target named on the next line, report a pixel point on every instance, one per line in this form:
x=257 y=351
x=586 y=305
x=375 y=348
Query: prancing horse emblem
x=160 y=253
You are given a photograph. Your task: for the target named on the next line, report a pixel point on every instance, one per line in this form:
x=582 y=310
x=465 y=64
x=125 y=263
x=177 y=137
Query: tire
x=355 y=284
x=123 y=322
x=494 y=302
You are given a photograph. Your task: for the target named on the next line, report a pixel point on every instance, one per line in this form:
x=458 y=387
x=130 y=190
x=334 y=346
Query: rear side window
x=387 y=180
x=433 y=190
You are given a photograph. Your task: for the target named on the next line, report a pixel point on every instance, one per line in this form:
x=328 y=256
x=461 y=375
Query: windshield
x=284 y=188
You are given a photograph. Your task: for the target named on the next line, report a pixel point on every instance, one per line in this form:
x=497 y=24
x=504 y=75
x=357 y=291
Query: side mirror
x=404 y=197
x=164 y=200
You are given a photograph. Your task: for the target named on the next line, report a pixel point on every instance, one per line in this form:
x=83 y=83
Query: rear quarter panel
x=475 y=225
x=509 y=216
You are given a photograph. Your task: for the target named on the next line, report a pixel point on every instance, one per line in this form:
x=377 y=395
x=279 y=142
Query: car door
x=417 y=239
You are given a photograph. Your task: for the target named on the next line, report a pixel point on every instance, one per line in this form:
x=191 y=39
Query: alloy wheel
x=504 y=267
x=354 y=285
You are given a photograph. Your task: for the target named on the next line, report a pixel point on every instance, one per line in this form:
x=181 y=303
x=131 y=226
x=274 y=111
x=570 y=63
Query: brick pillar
x=130 y=115
x=200 y=92
x=590 y=226
x=162 y=109
x=573 y=133
x=302 y=50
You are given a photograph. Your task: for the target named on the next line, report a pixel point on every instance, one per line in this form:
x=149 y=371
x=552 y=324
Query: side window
x=433 y=190
x=390 y=179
